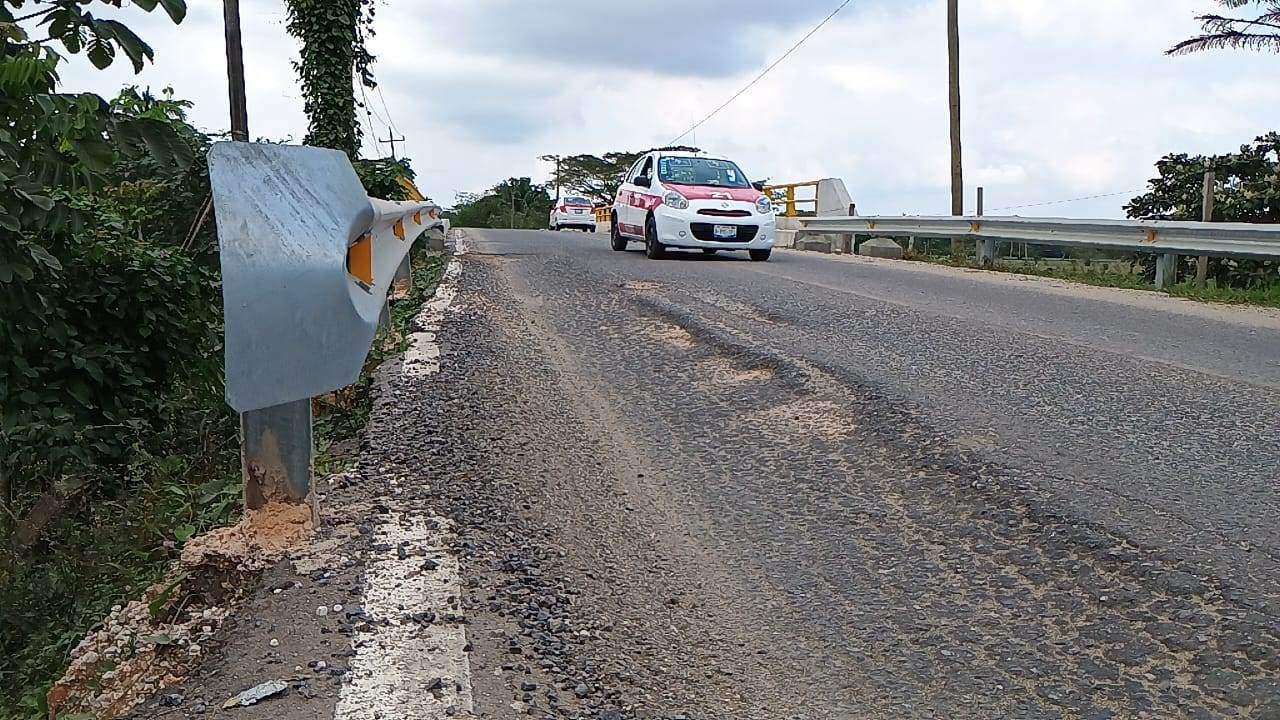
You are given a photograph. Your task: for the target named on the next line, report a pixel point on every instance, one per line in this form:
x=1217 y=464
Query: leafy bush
x=1246 y=189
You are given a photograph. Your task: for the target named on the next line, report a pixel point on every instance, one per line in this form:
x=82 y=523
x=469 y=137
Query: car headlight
x=764 y=206
x=675 y=200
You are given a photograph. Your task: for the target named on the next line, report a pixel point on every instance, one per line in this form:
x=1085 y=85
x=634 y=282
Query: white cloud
x=1061 y=99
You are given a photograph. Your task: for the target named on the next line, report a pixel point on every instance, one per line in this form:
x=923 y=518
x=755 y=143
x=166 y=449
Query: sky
x=1061 y=100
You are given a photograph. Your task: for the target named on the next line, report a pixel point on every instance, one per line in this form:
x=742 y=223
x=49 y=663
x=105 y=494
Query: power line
x=766 y=71
x=1070 y=200
x=386 y=109
x=377 y=143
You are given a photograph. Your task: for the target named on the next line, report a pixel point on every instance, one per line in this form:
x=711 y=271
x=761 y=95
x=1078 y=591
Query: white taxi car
x=573 y=212
x=682 y=199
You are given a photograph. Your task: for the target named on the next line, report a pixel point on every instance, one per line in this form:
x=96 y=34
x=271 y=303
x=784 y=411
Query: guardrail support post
x=403 y=279
x=276 y=454
x=1166 y=269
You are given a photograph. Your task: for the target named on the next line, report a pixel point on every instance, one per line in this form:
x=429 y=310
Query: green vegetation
x=512 y=203
x=115 y=442
x=1258 y=31
x=596 y=178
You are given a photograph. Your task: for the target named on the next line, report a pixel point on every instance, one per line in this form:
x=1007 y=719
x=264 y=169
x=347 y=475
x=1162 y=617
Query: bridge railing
x=1166 y=239
x=784 y=194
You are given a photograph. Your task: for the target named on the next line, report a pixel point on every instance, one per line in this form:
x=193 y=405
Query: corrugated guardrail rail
x=1165 y=238
x=307 y=261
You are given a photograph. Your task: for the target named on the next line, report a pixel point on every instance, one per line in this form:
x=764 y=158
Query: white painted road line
x=410 y=654
x=410 y=662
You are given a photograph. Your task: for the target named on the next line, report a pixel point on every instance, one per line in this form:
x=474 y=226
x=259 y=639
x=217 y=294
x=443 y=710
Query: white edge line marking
x=410 y=659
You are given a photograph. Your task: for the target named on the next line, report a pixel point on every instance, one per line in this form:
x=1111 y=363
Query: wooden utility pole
x=391 y=138
x=953 y=62
x=235 y=71
x=1202 y=262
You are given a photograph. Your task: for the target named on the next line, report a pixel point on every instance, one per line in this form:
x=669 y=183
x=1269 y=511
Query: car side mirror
x=644 y=181
x=759 y=185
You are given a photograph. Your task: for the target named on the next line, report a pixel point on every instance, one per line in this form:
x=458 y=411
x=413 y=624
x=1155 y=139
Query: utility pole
x=953 y=61
x=235 y=71
x=275 y=442
x=391 y=138
x=1202 y=262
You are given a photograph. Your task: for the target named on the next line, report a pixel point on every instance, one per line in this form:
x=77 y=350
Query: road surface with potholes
x=822 y=487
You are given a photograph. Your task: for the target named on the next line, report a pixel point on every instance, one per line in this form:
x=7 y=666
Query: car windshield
x=573 y=200
x=700 y=171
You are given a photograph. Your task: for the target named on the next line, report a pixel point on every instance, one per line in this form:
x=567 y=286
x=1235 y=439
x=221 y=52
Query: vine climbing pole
x=332 y=34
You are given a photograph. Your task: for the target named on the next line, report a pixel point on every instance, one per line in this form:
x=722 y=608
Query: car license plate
x=577 y=212
x=725 y=231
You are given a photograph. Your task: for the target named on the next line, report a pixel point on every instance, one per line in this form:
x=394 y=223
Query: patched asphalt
x=811 y=488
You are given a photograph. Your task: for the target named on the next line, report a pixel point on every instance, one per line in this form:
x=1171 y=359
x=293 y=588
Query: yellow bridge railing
x=785 y=194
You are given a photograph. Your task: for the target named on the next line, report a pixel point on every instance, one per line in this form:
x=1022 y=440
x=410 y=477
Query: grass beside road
x=1101 y=276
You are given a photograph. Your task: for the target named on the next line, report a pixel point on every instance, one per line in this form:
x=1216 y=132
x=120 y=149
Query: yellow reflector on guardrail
x=360 y=259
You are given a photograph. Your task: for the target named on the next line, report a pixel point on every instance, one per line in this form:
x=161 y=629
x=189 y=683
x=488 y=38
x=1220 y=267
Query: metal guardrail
x=307 y=262
x=1155 y=236
x=1166 y=239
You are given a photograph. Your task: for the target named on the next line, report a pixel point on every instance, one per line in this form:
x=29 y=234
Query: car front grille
x=724 y=213
x=706 y=232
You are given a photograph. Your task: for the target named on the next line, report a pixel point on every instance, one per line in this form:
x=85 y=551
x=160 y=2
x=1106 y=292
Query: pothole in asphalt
x=719 y=371
x=669 y=333
x=816 y=417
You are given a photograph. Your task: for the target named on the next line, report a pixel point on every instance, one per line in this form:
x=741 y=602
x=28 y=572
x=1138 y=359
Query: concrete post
x=986 y=246
x=276 y=454
x=1166 y=269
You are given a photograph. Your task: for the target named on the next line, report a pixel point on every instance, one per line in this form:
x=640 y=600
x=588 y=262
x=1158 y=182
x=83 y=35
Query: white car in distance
x=683 y=199
x=573 y=212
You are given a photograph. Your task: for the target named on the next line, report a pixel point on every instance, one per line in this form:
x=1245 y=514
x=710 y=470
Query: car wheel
x=709 y=251
x=653 y=249
x=759 y=255
x=616 y=241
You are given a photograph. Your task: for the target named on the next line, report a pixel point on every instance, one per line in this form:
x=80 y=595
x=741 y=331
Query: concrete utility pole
x=275 y=442
x=1202 y=262
x=953 y=60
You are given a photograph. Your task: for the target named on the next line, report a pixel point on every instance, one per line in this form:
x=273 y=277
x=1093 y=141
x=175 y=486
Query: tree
x=596 y=178
x=512 y=203
x=1261 y=32
x=1247 y=189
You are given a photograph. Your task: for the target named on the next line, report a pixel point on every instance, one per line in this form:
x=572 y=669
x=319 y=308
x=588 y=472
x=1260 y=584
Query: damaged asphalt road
x=705 y=488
